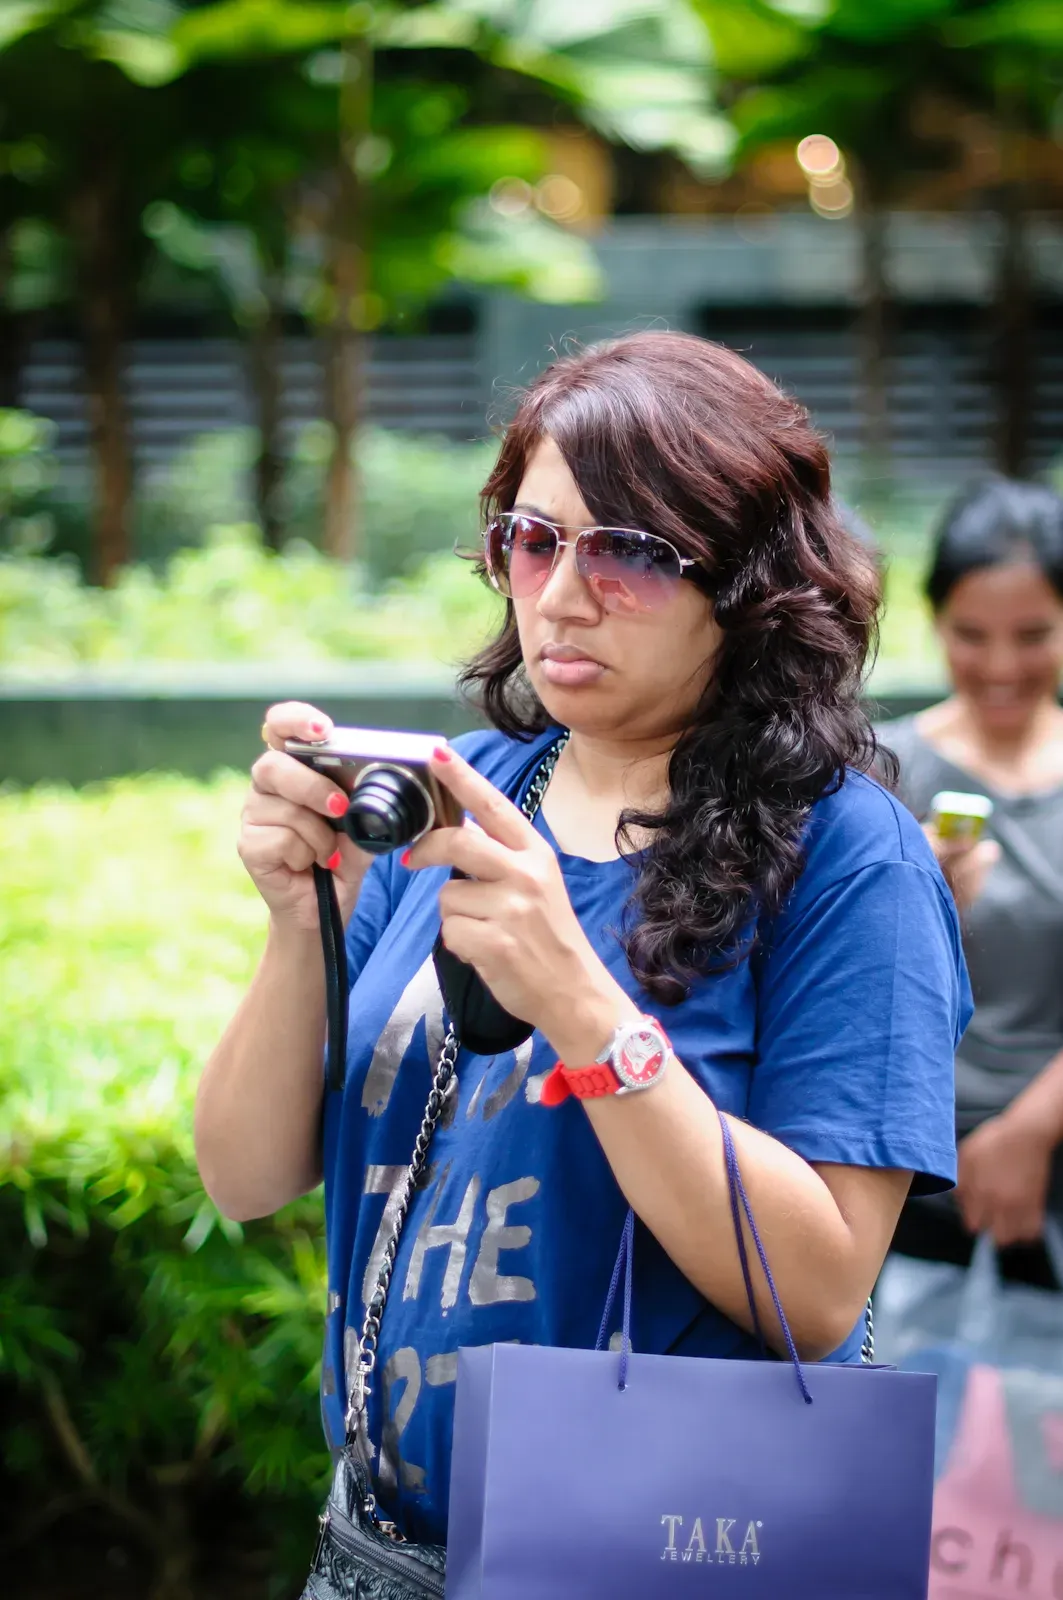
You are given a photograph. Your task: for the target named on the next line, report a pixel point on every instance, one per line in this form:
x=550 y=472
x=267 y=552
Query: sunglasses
x=625 y=570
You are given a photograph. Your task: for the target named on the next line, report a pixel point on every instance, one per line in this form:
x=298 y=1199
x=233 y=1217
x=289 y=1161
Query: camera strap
x=337 y=990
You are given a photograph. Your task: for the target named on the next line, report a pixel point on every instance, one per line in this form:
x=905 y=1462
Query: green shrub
x=155 y=1361
x=419 y=494
x=234 y=601
x=27 y=475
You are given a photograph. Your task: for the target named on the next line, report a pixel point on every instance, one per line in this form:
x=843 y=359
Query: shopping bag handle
x=739 y=1203
x=982 y=1288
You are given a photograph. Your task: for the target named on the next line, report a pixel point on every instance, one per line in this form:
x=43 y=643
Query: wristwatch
x=634 y=1059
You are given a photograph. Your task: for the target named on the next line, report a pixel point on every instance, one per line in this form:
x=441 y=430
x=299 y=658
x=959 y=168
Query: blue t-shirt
x=837 y=1037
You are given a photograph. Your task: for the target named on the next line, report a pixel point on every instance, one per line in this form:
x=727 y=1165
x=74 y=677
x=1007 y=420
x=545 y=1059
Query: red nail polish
x=333 y=862
x=441 y=753
x=317 y=728
x=404 y=859
x=337 y=804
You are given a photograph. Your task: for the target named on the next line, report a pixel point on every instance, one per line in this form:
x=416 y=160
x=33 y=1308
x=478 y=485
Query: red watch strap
x=586 y=1083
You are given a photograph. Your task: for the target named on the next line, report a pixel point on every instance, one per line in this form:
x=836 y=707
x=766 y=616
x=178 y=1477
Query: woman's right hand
x=284 y=830
x=965 y=864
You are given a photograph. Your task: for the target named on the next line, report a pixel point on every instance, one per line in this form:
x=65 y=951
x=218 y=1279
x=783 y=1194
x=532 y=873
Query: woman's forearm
x=666 y=1151
x=258 y=1109
x=1039 y=1106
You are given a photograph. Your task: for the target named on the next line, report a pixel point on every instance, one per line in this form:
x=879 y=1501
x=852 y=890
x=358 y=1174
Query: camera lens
x=388 y=808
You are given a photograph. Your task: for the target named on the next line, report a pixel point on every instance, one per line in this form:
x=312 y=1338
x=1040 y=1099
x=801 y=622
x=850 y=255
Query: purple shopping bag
x=591 y=1475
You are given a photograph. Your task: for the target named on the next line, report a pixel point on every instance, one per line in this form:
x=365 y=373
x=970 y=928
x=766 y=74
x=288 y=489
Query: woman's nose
x=564 y=594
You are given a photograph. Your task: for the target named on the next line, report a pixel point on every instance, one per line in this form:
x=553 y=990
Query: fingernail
x=404 y=859
x=441 y=753
x=337 y=805
x=333 y=862
x=317 y=727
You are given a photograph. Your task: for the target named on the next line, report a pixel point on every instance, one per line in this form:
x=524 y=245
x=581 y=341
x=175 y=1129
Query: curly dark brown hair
x=682 y=437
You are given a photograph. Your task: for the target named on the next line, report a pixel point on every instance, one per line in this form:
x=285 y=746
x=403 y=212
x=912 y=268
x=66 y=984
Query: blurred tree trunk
x=345 y=338
x=14 y=334
x=265 y=344
x=1013 y=354
x=105 y=297
x=1012 y=318
x=873 y=327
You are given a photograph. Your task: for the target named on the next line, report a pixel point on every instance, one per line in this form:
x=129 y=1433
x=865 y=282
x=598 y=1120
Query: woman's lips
x=567 y=669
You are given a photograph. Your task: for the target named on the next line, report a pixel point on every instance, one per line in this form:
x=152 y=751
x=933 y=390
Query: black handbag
x=361 y=1555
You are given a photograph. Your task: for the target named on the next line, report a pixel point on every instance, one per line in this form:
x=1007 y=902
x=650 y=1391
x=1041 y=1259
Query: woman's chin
x=585 y=707
x=1006 y=715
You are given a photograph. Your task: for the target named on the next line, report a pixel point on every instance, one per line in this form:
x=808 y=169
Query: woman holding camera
x=996 y=589
x=712 y=907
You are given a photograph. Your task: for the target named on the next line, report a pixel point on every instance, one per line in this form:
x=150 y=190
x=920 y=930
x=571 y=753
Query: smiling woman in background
x=996 y=588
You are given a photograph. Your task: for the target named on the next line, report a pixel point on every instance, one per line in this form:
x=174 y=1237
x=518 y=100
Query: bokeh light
x=819 y=157
x=510 y=197
x=831 y=199
x=559 y=197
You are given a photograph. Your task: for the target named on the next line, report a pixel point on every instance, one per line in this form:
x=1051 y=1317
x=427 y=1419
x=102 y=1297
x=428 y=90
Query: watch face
x=640 y=1057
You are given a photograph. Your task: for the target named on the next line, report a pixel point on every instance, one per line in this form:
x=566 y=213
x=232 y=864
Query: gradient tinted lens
x=624 y=570
x=627 y=571
x=520 y=553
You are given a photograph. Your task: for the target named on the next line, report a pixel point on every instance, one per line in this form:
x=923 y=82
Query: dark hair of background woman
x=683 y=438
x=992 y=524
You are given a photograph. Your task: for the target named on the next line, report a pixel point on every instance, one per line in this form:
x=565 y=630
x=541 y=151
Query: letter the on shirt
x=434 y=1236
x=488 y=1287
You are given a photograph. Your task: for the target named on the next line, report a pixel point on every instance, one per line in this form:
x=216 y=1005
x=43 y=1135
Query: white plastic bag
x=997 y=1350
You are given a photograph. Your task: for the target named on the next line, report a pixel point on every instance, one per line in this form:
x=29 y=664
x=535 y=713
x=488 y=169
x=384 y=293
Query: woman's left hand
x=515 y=923
x=1004 y=1168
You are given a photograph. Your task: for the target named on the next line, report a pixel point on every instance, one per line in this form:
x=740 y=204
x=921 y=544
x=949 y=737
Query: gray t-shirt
x=1012 y=934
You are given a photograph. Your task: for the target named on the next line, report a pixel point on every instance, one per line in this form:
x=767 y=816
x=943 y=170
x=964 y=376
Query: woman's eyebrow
x=532 y=511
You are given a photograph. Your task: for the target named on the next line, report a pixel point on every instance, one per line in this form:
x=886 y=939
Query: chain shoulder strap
x=867 y=1349
x=442 y=1084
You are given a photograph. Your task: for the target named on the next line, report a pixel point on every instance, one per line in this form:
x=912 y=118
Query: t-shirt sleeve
x=862 y=1001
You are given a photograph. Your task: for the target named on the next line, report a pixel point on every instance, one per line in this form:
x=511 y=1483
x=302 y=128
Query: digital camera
x=393 y=799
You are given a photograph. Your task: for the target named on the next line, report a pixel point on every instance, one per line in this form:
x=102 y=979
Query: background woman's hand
x=1004 y=1169
x=284 y=830
x=966 y=865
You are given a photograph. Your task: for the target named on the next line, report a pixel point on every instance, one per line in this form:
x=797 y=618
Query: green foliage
x=419 y=494
x=150 y=1353
x=858 y=70
x=234 y=601
x=27 y=471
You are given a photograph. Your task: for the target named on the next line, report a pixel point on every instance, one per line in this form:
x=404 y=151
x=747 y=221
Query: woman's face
x=1002 y=629
x=635 y=676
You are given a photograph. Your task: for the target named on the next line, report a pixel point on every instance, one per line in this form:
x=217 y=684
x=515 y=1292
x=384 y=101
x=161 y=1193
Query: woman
x=707 y=853
x=996 y=589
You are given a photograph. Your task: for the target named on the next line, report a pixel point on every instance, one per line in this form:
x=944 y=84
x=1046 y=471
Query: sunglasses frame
x=558 y=529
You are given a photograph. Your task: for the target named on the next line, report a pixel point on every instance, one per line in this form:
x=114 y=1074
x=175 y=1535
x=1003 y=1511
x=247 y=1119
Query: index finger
x=498 y=817
x=294 y=719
